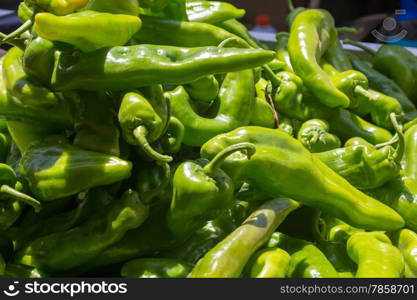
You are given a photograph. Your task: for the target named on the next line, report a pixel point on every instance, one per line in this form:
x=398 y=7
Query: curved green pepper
x=293 y=101
x=306 y=261
x=375 y=255
x=322 y=187
x=160 y=31
x=269 y=263
x=205 y=89
x=235 y=100
x=56 y=252
x=125 y=7
x=385 y=85
x=59 y=7
x=282 y=50
x=95 y=124
x=104 y=30
x=312 y=32
x=337 y=57
x=263 y=114
x=122 y=68
x=212 y=12
x=314 y=135
x=229 y=257
x=172 y=141
x=406 y=241
x=201 y=191
x=155 y=268
x=235 y=27
x=55 y=169
x=143 y=118
x=22 y=99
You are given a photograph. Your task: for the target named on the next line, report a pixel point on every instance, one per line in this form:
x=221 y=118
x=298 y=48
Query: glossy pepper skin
x=59 y=7
x=151 y=180
x=126 y=7
x=173 y=138
x=292 y=100
x=229 y=257
x=322 y=187
x=314 y=135
x=235 y=100
x=212 y=12
x=55 y=253
x=201 y=192
x=95 y=123
x=143 y=118
x=406 y=241
x=24 y=100
x=385 y=85
x=282 y=50
x=263 y=114
x=312 y=32
x=135 y=66
x=337 y=57
x=269 y=263
x=306 y=261
x=55 y=169
x=375 y=255
x=106 y=30
x=363 y=165
x=160 y=31
x=38 y=60
x=205 y=89
x=155 y=268
x=240 y=30
x=400 y=193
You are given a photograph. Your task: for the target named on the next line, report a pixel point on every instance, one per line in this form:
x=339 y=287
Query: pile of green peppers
x=158 y=139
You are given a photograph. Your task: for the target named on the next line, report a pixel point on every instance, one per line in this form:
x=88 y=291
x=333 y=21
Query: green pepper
x=406 y=241
x=55 y=169
x=375 y=255
x=155 y=268
x=143 y=118
x=170 y=9
x=95 y=125
x=201 y=191
x=282 y=50
x=174 y=136
x=104 y=30
x=25 y=12
x=160 y=31
x=312 y=32
x=229 y=257
x=212 y=12
x=22 y=271
x=397 y=63
x=362 y=164
x=125 y=7
x=151 y=180
x=205 y=89
x=235 y=27
x=314 y=135
x=269 y=263
x=235 y=101
x=121 y=68
x=23 y=99
x=263 y=114
x=385 y=85
x=337 y=57
x=5 y=144
x=322 y=187
x=59 y=7
x=38 y=60
x=306 y=261
x=56 y=252
x=293 y=101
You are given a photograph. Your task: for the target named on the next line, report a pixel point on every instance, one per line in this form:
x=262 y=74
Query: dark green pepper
x=201 y=191
x=229 y=257
x=269 y=171
x=143 y=118
x=235 y=101
x=155 y=268
x=151 y=180
x=56 y=169
x=122 y=68
x=205 y=89
x=269 y=263
x=172 y=141
x=314 y=135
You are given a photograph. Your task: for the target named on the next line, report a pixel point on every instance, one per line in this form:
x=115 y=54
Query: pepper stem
x=140 y=134
x=26 y=26
x=14 y=42
x=150 y=195
x=359 y=45
x=10 y=192
x=214 y=165
x=290 y=5
x=317 y=233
